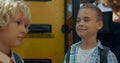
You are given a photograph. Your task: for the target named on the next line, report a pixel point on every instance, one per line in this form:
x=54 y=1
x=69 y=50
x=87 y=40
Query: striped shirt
x=95 y=58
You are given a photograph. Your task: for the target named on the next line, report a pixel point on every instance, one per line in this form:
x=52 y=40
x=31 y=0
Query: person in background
x=15 y=19
x=101 y=6
x=89 y=22
x=115 y=5
x=115 y=40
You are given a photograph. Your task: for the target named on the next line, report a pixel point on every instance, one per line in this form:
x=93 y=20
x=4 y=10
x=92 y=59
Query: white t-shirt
x=84 y=56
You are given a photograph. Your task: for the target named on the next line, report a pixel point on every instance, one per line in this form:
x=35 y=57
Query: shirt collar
x=13 y=57
x=100 y=45
x=5 y=59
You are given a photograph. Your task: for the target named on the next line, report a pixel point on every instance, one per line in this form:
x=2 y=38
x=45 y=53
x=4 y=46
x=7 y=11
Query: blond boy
x=14 y=22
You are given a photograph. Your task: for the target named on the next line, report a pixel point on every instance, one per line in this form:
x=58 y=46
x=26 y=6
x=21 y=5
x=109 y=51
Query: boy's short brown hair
x=91 y=6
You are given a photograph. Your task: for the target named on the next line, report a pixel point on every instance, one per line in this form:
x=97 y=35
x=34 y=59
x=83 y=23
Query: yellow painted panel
x=51 y=12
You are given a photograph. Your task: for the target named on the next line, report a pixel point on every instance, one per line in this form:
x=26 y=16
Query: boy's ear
x=100 y=25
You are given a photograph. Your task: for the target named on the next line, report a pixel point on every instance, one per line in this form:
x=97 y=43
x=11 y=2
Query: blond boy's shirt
x=5 y=59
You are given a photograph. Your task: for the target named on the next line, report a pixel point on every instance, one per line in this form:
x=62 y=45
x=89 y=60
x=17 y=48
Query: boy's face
x=13 y=33
x=87 y=24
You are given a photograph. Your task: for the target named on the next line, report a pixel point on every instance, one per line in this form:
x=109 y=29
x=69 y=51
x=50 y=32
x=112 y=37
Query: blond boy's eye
x=26 y=26
x=18 y=22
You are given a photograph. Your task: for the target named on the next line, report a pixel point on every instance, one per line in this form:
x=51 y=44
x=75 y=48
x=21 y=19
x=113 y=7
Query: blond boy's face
x=13 y=33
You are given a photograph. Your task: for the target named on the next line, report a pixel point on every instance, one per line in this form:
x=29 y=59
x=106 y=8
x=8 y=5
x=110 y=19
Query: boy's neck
x=89 y=43
x=5 y=50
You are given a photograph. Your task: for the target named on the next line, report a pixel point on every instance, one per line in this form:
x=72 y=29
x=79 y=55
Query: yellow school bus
x=47 y=41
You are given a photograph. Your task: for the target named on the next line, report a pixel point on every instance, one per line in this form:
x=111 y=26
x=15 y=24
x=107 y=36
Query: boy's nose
x=24 y=30
x=81 y=22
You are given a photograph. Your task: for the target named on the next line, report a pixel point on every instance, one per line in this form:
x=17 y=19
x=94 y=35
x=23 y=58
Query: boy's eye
x=86 y=20
x=17 y=22
x=26 y=25
x=78 y=20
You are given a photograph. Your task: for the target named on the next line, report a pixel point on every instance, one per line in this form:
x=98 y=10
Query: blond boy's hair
x=9 y=9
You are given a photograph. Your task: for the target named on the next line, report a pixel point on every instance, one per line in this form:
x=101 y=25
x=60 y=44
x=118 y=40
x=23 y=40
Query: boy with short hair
x=89 y=22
